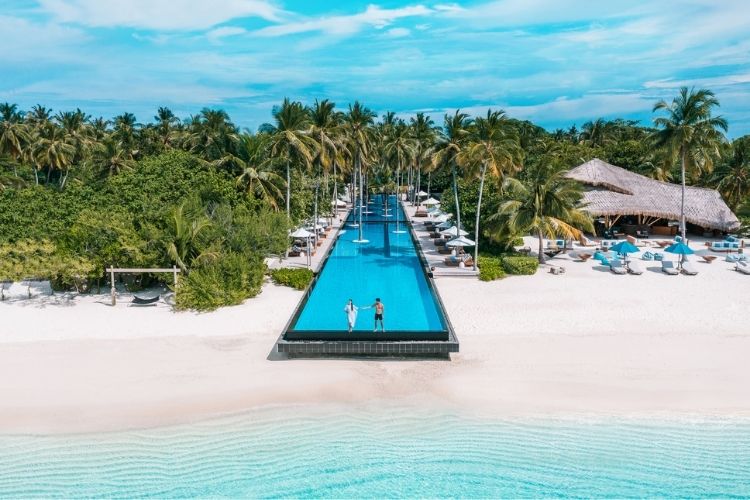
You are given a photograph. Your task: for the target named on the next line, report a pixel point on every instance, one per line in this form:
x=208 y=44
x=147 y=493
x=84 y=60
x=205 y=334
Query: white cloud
x=225 y=31
x=158 y=14
x=373 y=16
x=715 y=81
x=25 y=41
x=397 y=33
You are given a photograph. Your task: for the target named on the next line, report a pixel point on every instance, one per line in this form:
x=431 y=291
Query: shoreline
x=586 y=343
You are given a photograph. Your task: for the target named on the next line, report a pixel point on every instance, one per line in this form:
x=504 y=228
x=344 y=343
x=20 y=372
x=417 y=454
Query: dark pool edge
x=383 y=345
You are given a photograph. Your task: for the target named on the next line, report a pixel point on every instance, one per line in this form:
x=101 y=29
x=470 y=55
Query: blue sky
x=555 y=62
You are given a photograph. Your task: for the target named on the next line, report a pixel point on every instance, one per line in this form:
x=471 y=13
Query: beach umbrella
x=422 y=194
x=445 y=225
x=431 y=201
x=680 y=249
x=624 y=247
x=322 y=221
x=301 y=233
x=461 y=241
x=453 y=231
x=442 y=218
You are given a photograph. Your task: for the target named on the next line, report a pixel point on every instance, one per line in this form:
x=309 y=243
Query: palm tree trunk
x=479 y=211
x=682 y=205
x=335 y=192
x=359 y=201
x=429 y=182
x=288 y=190
x=455 y=196
x=64 y=178
x=540 y=235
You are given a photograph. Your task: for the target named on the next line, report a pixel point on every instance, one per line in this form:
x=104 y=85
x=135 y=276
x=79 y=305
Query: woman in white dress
x=351 y=314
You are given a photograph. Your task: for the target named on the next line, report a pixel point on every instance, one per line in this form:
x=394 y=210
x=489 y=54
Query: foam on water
x=385 y=452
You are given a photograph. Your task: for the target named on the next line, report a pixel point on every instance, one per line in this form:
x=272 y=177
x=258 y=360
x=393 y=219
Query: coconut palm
x=109 y=158
x=732 y=179
x=546 y=204
x=186 y=233
x=690 y=132
x=424 y=134
x=14 y=134
x=165 y=126
x=324 y=127
x=290 y=141
x=450 y=144
x=597 y=133
x=255 y=175
x=53 y=151
x=212 y=134
x=492 y=149
x=125 y=128
x=358 y=121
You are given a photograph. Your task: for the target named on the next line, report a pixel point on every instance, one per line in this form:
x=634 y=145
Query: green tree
x=492 y=148
x=690 y=132
x=14 y=135
x=456 y=132
x=546 y=204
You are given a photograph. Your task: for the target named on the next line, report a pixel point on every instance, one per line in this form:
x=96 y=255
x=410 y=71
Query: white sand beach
x=586 y=342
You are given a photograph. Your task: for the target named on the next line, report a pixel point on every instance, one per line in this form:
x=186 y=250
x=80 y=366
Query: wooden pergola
x=113 y=270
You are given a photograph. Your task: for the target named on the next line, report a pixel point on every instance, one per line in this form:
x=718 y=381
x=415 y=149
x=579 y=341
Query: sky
x=555 y=62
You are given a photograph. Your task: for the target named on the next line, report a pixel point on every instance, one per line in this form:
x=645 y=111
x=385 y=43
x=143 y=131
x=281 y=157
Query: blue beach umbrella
x=624 y=247
x=680 y=249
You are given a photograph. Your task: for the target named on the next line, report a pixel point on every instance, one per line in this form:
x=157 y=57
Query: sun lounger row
x=455 y=261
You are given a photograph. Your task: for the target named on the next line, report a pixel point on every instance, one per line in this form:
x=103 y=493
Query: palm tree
x=14 y=135
x=733 y=178
x=358 y=122
x=254 y=175
x=186 y=233
x=290 y=140
x=492 y=148
x=546 y=204
x=125 y=127
x=52 y=150
x=690 y=132
x=398 y=146
x=597 y=133
x=165 y=121
x=213 y=135
x=456 y=131
x=109 y=158
x=325 y=124
x=424 y=133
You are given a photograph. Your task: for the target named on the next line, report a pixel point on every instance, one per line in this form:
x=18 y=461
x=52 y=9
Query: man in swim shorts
x=379 y=310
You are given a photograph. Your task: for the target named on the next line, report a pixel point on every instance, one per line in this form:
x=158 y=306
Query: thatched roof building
x=618 y=192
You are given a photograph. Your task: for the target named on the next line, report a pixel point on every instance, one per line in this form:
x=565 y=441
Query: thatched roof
x=628 y=193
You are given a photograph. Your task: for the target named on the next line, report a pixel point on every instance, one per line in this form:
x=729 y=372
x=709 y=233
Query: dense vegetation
x=79 y=193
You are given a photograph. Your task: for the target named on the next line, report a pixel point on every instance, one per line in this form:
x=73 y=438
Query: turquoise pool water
x=386 y=452
x=387 y=267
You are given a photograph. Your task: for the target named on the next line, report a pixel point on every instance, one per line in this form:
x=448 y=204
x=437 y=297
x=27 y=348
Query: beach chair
x=616 y=267
x=634 y=267
x=689 y=268
x=647 y=255
x=584 y=256
x=641 y=234
x=468 y=261
x=445 y=250
x=452 y=261
x=667 y=267
x=708 y=258
x=742 y=267
x=552 y=253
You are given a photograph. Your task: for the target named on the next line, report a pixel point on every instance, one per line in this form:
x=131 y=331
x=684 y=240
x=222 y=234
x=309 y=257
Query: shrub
x=518 y=264
x=490 y=268
x=227 y=280
x=295 y=278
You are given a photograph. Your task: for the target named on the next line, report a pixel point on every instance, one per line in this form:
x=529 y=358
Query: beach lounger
x=145 y=301
x=616 y=267
x=667 y=267
x=445 y=250
x=440 y=242
x=584 y=256
x=689 y=268
x=742 y=267
x=552 y=253
x=634 y=267
x=452 y=261
x=708 y=258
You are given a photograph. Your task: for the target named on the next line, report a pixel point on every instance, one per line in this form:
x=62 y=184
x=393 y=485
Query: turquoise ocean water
x=312 y=452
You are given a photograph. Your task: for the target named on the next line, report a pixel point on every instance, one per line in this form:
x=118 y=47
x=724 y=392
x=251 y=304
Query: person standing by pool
x=351 y=314
x=379 y=310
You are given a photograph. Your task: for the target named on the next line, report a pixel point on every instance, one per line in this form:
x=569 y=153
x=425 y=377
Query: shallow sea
x=384 y=451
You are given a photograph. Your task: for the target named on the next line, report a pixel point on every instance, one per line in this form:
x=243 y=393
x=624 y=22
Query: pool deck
x=320 y=253
x=435 y=260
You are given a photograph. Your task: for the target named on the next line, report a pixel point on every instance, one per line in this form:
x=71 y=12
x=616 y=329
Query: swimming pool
x=386 y=266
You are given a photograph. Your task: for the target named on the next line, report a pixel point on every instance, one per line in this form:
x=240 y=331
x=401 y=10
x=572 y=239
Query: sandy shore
x=586 y=342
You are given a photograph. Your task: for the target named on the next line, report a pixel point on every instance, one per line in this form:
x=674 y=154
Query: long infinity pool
x=386 y=452
x=386 y=267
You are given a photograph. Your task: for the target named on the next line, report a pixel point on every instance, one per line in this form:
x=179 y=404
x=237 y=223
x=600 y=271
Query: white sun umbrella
x=442 y=218
x=444 y=225
x=431 y=201
x=454 y=231
x=301 y=233
x=338 y=203
x=316 y=226
x=322 y=221
x=461 y=241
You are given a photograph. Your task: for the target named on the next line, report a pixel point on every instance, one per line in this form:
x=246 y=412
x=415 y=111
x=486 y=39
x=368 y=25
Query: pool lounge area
x=377 y=259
